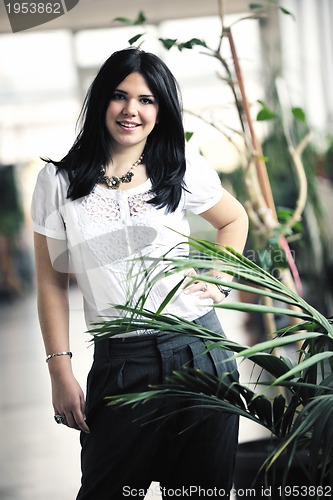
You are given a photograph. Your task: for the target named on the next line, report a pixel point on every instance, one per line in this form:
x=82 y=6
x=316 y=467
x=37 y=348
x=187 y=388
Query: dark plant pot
x=269 y=485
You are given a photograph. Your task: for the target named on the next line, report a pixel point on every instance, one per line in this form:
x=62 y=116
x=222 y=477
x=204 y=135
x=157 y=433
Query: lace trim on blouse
x=117 y=228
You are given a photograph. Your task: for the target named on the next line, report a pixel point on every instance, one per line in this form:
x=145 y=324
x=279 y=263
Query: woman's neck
x=123 y=158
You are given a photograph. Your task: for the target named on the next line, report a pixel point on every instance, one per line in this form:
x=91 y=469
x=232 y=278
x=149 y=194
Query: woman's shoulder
x=51 y=183
x=202 y=183
x=198 y=170
x=49 y=169
x=51 y=173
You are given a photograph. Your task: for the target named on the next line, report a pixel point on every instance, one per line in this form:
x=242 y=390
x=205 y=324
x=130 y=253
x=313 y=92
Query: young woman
x=119 y=197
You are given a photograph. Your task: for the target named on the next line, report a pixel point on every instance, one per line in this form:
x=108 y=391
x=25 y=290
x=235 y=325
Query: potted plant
x=299 y=416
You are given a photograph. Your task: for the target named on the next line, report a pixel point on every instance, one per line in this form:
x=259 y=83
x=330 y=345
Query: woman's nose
x=130 y=108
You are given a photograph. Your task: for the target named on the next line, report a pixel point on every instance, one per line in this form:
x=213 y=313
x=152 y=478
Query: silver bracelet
x=65 y=353
x=222 y=288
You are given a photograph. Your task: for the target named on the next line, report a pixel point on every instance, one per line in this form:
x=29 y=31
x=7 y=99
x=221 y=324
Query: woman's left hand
x=201 y=289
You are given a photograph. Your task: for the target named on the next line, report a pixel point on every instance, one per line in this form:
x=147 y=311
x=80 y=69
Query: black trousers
x=190 y=453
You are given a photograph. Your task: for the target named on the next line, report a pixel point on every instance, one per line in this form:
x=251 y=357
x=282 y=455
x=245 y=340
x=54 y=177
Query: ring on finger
x=205 y=286
x=60 y=419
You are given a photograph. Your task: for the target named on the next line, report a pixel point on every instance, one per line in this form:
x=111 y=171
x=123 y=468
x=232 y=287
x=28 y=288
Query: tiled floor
x=38 y=459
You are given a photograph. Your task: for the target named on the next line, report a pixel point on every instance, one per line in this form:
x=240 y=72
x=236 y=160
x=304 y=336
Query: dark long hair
x=165 y=147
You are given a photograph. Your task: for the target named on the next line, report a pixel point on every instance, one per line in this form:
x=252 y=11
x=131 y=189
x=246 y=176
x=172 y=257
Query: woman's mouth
x=128 y=125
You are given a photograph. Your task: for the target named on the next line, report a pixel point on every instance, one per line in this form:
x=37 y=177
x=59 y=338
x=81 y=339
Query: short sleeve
x=203 y=185
x=47 y=201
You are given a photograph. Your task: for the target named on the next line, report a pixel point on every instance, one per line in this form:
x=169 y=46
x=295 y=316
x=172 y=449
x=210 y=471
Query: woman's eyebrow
x=126 y=93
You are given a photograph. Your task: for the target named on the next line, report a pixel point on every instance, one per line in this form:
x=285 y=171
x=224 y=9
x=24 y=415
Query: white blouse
x=113 y=236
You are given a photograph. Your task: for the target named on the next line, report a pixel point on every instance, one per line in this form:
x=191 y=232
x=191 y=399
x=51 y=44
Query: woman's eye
x=118 y=96
x=146 y=100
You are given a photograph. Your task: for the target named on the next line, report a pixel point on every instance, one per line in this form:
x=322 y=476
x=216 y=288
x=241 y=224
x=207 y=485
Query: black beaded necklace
x=114 y=181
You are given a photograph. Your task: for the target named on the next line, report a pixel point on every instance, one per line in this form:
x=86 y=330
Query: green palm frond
x=303 y=413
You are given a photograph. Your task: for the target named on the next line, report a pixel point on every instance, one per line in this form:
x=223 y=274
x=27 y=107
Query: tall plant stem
x=260 y=164
x=270 y=213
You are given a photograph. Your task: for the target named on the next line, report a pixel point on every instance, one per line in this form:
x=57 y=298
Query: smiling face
x=132 y=113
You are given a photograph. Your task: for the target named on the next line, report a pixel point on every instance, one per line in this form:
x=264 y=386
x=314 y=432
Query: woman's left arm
x=230 y=219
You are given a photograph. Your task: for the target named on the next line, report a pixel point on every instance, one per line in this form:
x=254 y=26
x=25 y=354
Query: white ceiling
x=100 y=13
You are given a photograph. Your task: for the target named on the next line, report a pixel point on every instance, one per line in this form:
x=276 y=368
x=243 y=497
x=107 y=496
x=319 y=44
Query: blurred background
x=286 y=58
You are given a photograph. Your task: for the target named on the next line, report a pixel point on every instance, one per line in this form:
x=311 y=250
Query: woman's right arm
x=53 y=312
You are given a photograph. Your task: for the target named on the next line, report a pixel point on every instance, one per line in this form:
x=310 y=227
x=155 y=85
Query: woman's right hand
x=68 y=400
